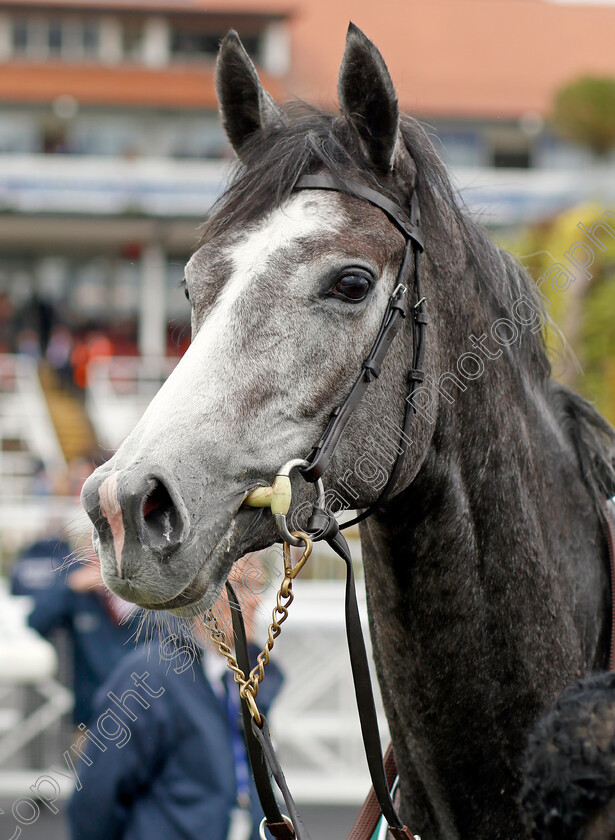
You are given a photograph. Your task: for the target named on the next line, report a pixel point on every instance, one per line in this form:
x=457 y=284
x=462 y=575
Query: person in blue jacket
x=99 y=628
x=174 y=763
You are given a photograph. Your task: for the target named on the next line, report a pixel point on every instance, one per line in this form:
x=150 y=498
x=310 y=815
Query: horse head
x=287 y=290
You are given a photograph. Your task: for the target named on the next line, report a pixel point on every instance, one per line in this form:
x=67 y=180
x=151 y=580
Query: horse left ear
x=367 y=97
x=245 y=105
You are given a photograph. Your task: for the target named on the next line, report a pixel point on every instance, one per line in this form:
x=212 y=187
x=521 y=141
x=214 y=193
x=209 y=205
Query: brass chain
x=248 y=686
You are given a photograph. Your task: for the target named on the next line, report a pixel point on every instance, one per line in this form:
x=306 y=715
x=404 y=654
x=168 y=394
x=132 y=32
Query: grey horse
x=485 y=565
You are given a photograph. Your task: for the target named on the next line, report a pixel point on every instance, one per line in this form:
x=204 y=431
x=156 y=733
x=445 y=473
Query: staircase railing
x=118 y=392
x=27 y=434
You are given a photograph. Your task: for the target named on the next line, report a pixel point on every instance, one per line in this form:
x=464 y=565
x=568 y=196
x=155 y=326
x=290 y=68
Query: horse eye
x=352 y=287
x=187 y=293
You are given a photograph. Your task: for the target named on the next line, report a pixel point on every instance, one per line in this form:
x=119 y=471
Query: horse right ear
x=368 y=101
x=245 y=105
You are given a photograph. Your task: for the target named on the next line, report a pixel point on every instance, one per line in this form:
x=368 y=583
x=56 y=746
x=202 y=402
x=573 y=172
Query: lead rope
x=260 y=748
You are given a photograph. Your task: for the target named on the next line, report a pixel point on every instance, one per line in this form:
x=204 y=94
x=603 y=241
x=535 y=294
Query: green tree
x=581 y=337
x=584 y=112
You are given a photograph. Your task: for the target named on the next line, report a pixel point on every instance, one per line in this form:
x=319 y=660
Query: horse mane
x=593 y=438
x=311 y=140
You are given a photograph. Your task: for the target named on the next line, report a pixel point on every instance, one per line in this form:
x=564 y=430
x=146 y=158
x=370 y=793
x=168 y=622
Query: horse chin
x=190 y=582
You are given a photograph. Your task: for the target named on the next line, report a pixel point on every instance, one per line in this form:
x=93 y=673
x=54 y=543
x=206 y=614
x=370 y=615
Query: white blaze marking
x=300 y=217
x=204 y=379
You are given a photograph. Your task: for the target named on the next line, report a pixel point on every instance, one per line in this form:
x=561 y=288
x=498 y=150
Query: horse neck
x=485 y=578
x=486 y=592
x=498 y=450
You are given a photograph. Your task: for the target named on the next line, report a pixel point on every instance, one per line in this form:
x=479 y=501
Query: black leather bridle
x=323 y=526
x=397 y=309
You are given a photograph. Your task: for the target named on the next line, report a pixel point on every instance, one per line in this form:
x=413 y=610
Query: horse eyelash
x=183 y=285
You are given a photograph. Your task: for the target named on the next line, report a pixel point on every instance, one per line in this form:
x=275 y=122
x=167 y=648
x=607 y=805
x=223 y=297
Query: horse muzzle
x=130 y=509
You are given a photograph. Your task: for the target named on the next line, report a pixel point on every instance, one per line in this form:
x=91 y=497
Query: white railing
x=315 y=722
x=27 y=432
x=109 y=185
x=524 y=196
x=118 y=392
x=27 y=664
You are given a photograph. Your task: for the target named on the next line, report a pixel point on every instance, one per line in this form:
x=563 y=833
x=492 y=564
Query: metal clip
x=261 y=828
x=293 y=571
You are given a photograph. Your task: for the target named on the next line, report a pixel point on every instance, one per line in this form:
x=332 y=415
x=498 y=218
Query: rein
x=323 y=526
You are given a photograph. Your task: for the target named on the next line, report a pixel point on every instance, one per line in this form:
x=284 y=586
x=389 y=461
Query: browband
x=324 y=181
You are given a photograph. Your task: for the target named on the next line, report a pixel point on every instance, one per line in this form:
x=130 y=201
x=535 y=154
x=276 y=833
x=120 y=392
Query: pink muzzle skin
x=112 y=511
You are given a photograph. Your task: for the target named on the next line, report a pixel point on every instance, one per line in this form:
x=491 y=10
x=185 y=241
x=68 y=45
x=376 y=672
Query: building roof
x=476 y=58
x=448 y=58
x=135 y=86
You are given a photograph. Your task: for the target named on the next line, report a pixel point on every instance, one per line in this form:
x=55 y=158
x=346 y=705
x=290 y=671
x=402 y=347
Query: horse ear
x=368 y=99
x=245 y=105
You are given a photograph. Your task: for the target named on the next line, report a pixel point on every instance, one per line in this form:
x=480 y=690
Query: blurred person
x=59 y=351
x=183 y=772
x=28 y=344
x=42 y=483
x=36 y=565
x=6 y=323
x=75 y=600
x=79 y=469
x=35 y=320
x=95 y=346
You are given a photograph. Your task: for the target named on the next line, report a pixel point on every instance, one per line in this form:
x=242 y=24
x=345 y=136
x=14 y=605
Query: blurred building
x=111 y=151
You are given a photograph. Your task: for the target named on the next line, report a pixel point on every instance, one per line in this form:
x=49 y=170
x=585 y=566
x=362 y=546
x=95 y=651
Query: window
x=132 y=40
x=510 y=146
x=56 y=37
x=90 y=38
x=190 y=44
x=512 y=158
x=19 y=35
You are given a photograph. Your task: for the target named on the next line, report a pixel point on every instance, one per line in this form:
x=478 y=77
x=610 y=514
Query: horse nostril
x=161 y=522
